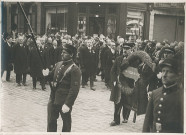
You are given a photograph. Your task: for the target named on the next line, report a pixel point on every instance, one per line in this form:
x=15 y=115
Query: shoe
x=24 y=84
x=92 y=88
x=43 y=88
x=124 y=121
x=113 y=123
x=18 y=84
x=83 y=86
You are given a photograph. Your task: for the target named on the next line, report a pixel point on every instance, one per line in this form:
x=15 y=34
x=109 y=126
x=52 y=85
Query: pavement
x=25 y=110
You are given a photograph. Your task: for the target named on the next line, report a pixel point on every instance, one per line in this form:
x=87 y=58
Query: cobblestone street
x=25 y=110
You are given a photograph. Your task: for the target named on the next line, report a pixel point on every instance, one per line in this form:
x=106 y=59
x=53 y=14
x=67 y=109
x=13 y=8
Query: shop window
x=56 y=19
x=111 y=26
x=134 y=29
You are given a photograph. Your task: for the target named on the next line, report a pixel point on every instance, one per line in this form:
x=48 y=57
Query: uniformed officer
x=165 y=108
x=65 y=78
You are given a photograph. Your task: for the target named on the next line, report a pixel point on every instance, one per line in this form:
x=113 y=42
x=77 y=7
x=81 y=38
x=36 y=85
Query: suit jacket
x=165 y=108
x=67 y=89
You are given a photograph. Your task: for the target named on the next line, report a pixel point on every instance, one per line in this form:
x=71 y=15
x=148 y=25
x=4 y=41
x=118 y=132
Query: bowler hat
x=170 y=62
x=70 y=49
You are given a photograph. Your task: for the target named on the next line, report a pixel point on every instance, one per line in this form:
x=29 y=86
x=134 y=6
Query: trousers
x=117 y=110
x=53 y=112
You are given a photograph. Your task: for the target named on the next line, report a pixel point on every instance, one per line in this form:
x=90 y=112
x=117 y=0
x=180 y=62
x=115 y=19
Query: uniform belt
x=56 y=84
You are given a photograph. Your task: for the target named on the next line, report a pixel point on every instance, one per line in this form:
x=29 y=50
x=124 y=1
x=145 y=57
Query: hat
x=170 y=62
x=6 y=36
x=128 y=45
x=168 y=49
x=70 y=49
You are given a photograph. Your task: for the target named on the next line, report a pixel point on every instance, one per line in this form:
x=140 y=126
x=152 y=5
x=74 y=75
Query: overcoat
x=6 y=56
x=115 y=71
x=20 y=58
x=35 y=62
x=48 y=55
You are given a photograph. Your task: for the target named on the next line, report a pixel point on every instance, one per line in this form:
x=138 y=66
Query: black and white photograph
x=92 y=67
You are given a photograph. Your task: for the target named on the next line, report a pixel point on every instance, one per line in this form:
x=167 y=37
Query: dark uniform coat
x=67 y=89
x=165 y=111
x=20 y=59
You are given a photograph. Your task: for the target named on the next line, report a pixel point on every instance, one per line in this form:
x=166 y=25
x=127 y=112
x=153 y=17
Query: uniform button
x=160 y=105
x=161 y=99
x=158 y=119
x=165 y=94
x=159 y=112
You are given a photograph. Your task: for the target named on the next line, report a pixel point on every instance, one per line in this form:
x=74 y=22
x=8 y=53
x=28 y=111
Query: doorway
x=96 y=25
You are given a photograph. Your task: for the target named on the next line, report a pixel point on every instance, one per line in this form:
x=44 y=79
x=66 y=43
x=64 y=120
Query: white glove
x=65 y=108
x=115 y=83
x=45 y=72
x=159 y=75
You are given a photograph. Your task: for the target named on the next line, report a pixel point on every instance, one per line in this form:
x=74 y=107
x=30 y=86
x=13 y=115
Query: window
x=56 y=19
x=135 y=21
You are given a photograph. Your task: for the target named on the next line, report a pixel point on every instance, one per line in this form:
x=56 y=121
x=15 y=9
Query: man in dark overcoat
x=165 y=107
x=20 y=61
x=36 y=65
x=83 y=60
x=48 y=54
x=91 y=66
x=56 y=52
x=6 y=56
x=103 y=49
x=66 y=78
x=109 y=60
x=116 y=94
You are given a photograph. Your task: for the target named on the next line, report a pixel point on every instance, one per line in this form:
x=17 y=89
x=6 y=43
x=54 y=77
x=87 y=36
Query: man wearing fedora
x=65 y=77
x=165 y=107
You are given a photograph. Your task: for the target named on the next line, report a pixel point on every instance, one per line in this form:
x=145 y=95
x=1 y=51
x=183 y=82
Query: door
x=96 y=25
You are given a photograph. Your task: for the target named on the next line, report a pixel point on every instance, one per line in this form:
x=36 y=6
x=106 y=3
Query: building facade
x=128 y=20
x=167 y=21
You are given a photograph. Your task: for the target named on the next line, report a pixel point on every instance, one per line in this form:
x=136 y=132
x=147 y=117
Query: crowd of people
x=106 y=57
